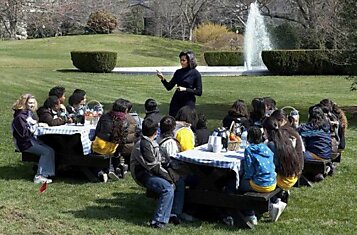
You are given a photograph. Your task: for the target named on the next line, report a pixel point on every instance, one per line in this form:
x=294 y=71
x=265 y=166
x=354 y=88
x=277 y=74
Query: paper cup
x=210 y=143
x=217 y=140
x=217 y=148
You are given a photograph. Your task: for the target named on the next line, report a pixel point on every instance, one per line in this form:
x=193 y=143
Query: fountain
x=256 y=38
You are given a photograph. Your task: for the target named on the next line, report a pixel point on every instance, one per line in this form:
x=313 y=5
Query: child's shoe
x=174 y=219
x=157 y=225
x=103 y=177
x=40 y=179
x=252 y=219
x=228 y=220
x=113 y=175
x=122 y=170
x=275 y=209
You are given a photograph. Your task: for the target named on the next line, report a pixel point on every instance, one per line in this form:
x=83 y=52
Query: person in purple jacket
x=24 y=126
x=188 y=81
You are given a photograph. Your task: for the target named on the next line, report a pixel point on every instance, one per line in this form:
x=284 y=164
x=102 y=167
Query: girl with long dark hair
x=288 y=163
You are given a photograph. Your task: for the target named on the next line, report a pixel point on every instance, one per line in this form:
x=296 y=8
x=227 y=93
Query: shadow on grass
x=69 y=71
x=16 y=172
x=137 y=209
x=27 y=171
x=134 y=208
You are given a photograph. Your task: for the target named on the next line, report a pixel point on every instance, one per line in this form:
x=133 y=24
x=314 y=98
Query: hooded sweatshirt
x=24 y=126
x=259 y=168
x=317 y=140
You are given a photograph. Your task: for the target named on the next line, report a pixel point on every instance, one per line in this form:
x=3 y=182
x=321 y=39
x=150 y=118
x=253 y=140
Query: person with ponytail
x=288 y=162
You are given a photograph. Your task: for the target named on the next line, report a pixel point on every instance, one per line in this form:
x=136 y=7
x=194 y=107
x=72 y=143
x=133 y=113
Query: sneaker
x=157 y=225
x=174 y=219
x=103 y=177
x=113 y=175
x=333 y=170
x=275 y=209
x=122 y=170
x=319 y=177
x=228 y=220
x=39 y=179
x=252 y=219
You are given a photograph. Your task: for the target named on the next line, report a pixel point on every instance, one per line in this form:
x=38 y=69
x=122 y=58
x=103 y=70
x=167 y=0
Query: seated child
x=59 y=91
x=76 y=107
x=152 y=110
x=286 y=125
x=258 y=168
x=338 y=122
x=148 y=171
x=24 y=125
x=237 y=113
x=168 y=144
x=258 y=113
x=186 y=120
x=50 y=112
x=202 y=132
x=316 y=136
x=270 y=105
x=134 y=132
x=110 y=136
x=288 y=163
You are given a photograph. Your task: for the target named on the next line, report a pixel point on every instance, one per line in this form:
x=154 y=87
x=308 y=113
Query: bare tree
x=11 y=12
x=191 y=9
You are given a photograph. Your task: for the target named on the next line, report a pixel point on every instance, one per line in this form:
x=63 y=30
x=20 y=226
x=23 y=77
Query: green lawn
x=74 y=206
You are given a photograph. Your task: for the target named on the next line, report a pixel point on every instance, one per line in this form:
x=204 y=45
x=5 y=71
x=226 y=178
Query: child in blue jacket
x=258 y=168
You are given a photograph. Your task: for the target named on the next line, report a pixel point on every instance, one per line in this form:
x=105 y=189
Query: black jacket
x=185 y=77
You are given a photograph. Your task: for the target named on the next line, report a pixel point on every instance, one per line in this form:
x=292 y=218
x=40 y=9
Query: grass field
x=73 y=206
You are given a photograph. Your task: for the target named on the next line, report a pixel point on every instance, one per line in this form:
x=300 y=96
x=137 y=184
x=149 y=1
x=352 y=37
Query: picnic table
x=72 y=145
x=209 y=191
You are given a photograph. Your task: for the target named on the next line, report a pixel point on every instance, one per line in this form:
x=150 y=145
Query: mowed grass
x=71 y=205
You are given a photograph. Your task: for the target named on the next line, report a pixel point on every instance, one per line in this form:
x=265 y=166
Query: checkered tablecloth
x=225 y=159
x=86 y=132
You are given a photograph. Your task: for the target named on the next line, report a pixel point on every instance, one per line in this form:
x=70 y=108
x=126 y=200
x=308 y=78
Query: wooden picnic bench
x=314 y=167
x=232 y=202
x=83 y=162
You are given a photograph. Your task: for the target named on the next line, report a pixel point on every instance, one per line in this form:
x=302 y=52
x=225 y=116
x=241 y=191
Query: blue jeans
x=46 y=164
x=170 y=199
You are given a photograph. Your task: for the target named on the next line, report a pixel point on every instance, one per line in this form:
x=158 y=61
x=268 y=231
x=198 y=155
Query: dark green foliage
x=305 y=62
x=285 y=36
x=134 y=21
x=102 y=22
x=224 y=58
x=94 y=61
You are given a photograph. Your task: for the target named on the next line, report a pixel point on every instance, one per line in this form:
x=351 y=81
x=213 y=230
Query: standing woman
x=188 y=81
x=24 y=126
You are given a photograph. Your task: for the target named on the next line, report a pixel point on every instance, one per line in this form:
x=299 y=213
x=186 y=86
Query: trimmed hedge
x=305 y=62
x=94 y=61
x=224 y=58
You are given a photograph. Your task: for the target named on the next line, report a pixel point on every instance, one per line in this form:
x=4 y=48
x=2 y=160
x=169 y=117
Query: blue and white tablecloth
x=224 y=159
x=86 y=132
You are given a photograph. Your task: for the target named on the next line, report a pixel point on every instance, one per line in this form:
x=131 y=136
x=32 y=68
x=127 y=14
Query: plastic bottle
x=244 y=142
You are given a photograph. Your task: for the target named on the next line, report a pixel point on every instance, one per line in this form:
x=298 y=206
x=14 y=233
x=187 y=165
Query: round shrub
x=94 y=61
x=224 y=58
x=101 y=22
x=285 y=36
x=303 y=62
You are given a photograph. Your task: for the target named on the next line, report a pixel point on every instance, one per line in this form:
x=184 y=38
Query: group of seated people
x=278 y=147
x=278 y=144
x=51 y=113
